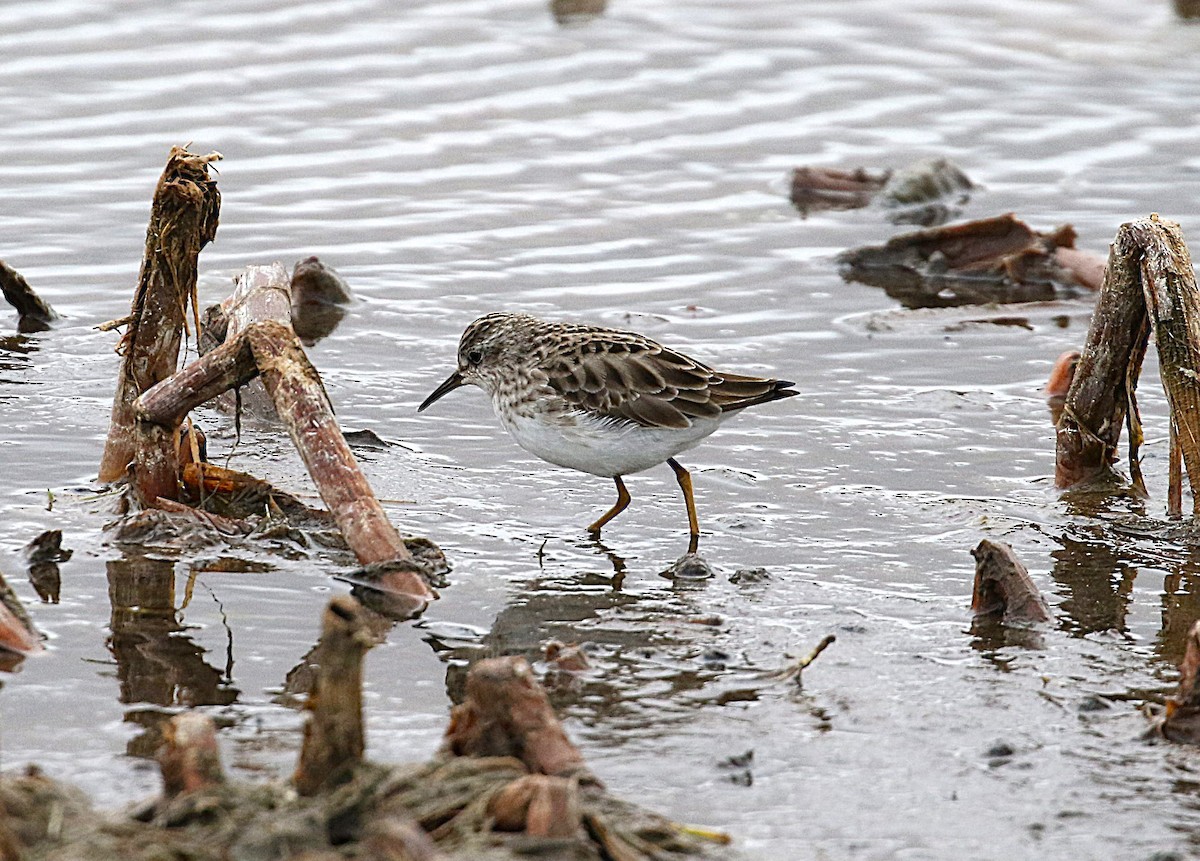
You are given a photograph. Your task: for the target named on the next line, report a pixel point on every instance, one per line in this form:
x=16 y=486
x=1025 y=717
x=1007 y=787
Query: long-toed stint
x=602 y=401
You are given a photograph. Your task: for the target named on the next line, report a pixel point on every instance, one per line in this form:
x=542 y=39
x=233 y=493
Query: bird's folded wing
x=649 y=384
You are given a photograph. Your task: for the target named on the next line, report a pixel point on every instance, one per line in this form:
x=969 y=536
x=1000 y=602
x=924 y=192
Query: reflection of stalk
x=157 y=662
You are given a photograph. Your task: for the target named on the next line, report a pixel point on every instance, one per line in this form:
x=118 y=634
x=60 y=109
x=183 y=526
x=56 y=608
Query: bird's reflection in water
x=46 y=579
x=611 y=642
x=618 y=562
x=42 y=555
x=690 y=567
x=159 y=666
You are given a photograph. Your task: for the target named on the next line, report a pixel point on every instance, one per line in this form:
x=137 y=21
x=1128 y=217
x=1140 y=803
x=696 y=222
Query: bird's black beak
x=452 y=382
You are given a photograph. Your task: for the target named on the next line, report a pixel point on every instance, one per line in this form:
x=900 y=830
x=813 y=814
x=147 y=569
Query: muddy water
x=452 y=159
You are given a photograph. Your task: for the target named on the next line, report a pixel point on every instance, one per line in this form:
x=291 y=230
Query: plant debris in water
x=991 y=260
x=507 y=784
x=927 y=192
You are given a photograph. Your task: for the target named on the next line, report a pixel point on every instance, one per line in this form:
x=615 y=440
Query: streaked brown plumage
x=604 y=401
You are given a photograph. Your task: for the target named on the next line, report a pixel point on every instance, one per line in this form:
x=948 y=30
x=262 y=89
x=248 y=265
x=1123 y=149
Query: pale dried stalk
x=1173 y=302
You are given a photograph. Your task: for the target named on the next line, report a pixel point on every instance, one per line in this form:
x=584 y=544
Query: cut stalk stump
x=1003 y=587
x=1180 y=721
x=34 y=313
x=18 y=637
x=1149 y=288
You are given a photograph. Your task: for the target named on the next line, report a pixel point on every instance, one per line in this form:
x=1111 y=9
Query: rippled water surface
x=457 y=158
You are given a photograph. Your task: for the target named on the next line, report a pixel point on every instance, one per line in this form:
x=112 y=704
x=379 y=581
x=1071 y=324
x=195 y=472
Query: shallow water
x=452 y=159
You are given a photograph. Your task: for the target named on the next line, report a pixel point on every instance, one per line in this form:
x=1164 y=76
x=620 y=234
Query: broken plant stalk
x=35 y=314
x=183 y=219
x=1149 y=287
x=1003 y=587
x=269 y=348
x=333 y=737
x=18 y=637
x=1173 y=304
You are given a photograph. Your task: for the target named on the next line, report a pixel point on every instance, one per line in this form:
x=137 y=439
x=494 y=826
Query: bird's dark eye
x=475 y=357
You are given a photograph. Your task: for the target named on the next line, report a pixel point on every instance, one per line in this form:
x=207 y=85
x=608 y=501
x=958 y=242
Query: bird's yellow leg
x=621 y=504
x=685 y=484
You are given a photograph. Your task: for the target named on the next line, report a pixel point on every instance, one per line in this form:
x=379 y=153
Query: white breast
x=601 y=446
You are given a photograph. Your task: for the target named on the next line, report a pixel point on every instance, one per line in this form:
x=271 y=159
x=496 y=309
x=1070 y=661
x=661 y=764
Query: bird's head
x=487 y=347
